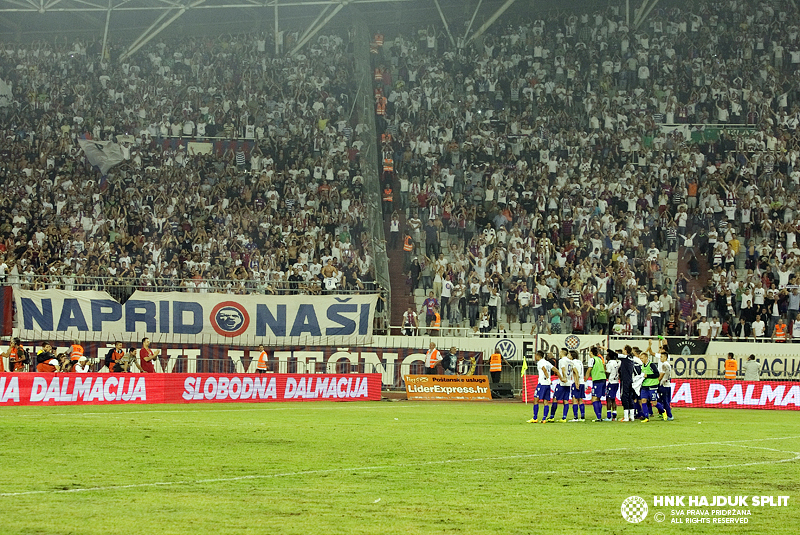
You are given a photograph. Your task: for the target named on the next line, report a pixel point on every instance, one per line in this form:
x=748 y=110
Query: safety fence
x=121 y=288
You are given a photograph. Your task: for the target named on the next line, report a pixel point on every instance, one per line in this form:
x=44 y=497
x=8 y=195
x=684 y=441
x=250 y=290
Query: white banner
x=103 y=154
x=178 y=317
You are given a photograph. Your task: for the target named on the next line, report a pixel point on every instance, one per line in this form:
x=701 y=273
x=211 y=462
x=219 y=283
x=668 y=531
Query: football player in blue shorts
x=578 y=390
x=542 y=396
x=665 y=387
x=596 y=372
x=649 y=388
x=564 y=386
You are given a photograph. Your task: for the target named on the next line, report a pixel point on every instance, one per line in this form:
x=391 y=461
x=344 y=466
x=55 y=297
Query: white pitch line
x=430 y=463
x=299 y=406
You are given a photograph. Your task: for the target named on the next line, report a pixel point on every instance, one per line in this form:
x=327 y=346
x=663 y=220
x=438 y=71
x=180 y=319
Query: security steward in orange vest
x=496 y=365
x=408 y=249
x=433 y=360
x=263 y=360
x=436 y=324
x=114 y=358
x=17 y=357
x=779 y=334
x=76 y=351
x=388 y=199
x=731 y=367
x=408 y=244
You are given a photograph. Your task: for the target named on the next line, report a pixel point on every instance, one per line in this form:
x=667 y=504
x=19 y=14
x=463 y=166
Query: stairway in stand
x=402 y=297
x=676 y=265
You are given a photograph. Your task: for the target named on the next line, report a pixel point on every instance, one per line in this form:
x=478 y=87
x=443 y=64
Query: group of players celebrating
x=641 y=377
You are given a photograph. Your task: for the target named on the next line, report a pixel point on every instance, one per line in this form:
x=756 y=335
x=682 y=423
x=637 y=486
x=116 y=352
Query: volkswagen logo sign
x=506 y=348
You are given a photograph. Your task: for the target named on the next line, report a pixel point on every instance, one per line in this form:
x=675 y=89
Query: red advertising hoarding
x=778 y=395
x=717 y=394
x=126 y=388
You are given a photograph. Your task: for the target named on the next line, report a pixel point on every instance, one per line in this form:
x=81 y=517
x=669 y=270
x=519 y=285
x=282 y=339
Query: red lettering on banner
x=96 y=389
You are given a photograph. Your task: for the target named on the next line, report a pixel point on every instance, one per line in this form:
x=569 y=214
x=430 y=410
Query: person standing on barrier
x=147 y=356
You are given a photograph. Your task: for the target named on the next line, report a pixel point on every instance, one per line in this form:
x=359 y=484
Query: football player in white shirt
x=612 y=372
x=665 y=387
x=564 y=386
x=578 y=389
x=543 y=387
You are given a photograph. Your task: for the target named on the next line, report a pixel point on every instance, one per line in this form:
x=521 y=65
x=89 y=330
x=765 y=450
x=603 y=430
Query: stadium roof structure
x=136 y=22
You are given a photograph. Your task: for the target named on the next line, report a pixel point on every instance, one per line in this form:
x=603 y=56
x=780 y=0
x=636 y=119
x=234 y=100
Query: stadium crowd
x=240 y=170
x=560 y=160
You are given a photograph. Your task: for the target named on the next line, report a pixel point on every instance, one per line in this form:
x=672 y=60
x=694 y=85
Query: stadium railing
x=122 y=288
x=465 y=332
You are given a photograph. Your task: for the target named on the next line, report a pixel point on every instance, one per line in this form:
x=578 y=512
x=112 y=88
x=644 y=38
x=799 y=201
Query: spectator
x=147 y=356
x=752 y=369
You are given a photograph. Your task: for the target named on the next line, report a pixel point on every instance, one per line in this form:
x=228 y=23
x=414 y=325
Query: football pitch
x=386 y=467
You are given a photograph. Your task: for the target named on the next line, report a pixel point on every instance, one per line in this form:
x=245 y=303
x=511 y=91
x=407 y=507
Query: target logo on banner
x=634 y=509
x=572 y=342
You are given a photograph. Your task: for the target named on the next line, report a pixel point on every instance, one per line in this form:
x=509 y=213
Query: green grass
x=373 y=468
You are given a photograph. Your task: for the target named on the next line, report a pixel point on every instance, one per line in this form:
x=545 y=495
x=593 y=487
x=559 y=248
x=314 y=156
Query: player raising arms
x=597 y=373
x=564 y=386
x=578 y=390
x=542 y=396
x=638 y=379
x=664 y=404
